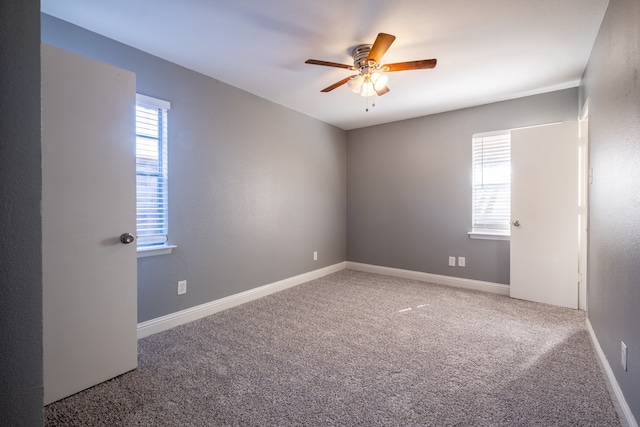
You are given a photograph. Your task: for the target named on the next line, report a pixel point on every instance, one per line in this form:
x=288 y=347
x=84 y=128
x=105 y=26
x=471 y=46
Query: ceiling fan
x=370 y=79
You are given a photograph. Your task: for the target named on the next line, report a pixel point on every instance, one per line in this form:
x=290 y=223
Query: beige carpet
x=357 y=349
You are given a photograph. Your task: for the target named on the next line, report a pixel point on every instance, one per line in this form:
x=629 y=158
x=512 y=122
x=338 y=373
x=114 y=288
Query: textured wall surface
x=254 y=188
x=20 y=221
x=612 y=85
x=409 y=187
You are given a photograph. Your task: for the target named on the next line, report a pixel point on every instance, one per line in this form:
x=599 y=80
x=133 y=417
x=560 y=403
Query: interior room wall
x=437 y=198
x=254 y=188
x=21 y=392
x=611 y=83
x=409 y=187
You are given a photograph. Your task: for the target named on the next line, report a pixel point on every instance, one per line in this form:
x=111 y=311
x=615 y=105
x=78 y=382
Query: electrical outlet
x=182 y=287
x=452 y=261
x=461 y=261
x=315 y=255
x=623 y=347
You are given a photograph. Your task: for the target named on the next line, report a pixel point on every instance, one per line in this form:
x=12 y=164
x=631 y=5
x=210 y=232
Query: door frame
x=584 y=180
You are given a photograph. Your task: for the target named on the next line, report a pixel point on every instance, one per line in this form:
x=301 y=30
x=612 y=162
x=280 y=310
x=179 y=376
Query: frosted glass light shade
x=379 y=81
x=367 y=89
x=355 y=83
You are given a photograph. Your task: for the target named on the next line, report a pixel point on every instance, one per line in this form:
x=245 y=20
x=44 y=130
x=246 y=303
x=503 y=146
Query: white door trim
x=583 y=205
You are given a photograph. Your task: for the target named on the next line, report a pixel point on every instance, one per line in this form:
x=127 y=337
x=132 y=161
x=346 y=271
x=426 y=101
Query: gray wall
x=611 y=83
x=20 y=221
x=254 y=188
x=409 y=187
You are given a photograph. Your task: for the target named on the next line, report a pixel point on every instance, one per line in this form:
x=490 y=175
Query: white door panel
x=544 y=201
x=88 y=200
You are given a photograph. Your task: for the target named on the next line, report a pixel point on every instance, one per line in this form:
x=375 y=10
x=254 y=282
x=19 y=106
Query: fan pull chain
x=373 y=104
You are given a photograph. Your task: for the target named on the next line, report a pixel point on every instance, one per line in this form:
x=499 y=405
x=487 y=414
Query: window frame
x=154 y=244
x=484 y=226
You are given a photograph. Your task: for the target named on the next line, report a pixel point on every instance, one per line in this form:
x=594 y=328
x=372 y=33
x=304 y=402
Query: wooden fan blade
x=335 y=85
x=411 y=65
x=328 y=64
x=380 y=47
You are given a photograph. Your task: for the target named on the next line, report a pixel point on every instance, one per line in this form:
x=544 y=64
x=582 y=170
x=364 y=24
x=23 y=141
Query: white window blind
x=492 y=183
x=151 y=171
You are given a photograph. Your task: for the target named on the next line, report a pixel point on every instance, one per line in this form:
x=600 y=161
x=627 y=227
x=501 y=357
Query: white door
x=88 y=201
x=544 y=213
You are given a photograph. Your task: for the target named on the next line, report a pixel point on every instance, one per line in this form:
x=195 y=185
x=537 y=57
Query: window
x=491 y=185
x=151 y=171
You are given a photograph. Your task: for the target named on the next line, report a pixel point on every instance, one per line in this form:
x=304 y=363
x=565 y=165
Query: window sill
x=146 y=251
x=488 y=236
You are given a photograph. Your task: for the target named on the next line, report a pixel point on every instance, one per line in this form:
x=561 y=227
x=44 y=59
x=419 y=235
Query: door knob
x=516 y=223
x=127 y=238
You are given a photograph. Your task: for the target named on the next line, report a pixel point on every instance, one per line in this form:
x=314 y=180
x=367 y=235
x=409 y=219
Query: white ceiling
x=487 y=50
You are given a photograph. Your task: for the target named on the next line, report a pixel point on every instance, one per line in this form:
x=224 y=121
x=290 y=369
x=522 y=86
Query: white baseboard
x=172 y=320
x=624 y=412
x=494 y=288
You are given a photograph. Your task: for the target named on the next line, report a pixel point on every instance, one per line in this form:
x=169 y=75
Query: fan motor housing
x=360 y=54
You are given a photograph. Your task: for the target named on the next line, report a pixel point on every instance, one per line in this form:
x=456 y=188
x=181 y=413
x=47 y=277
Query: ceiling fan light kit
x=371 y=78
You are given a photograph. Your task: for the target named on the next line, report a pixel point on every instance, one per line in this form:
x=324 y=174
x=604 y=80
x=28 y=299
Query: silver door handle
x=127 y=238
x=516 y=223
